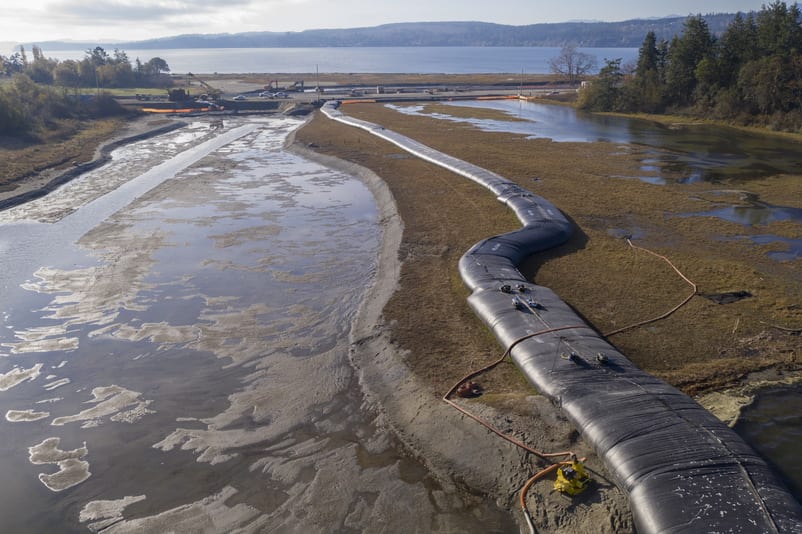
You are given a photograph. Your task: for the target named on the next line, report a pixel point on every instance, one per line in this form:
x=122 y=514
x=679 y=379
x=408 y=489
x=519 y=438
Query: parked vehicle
x=239 y=97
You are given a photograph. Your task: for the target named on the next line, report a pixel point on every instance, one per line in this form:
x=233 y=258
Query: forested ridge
x=750 y=74
x=626 y=34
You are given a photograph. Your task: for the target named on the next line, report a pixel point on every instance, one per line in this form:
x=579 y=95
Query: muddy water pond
x=173 y=350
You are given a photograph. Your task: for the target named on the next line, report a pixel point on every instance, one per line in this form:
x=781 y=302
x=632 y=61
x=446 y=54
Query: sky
x=31 y=21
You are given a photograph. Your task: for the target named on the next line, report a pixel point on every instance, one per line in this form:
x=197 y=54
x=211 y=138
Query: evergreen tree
x=737 y=46
x=648 y=56
x=645 y=92
x=778 y=30
x=684 y=55
x=771 y=81
x=605 y=92
x=753 y=71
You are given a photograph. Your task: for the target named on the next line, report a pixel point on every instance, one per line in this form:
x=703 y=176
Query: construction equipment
x=572 y=479
x=212 y=92
x=177 y=95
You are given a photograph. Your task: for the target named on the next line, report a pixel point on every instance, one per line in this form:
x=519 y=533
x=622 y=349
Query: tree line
x=43 y=91
x=751 y=73
x=98 y=68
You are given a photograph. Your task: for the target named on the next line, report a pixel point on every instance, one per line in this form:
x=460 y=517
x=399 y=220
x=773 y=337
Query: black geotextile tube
x=683 y=469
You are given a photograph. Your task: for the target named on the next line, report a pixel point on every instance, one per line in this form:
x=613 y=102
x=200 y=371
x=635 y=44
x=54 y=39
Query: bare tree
x=572 y=63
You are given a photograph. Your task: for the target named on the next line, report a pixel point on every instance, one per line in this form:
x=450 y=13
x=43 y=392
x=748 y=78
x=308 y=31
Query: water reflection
x=773 y=426
x=174 y=350
x=680 y=152
x=758 y=215
x=789 y=248
x=750 y=211
x=793 y=247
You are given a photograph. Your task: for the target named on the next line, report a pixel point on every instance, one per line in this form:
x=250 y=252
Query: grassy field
x=702 y=347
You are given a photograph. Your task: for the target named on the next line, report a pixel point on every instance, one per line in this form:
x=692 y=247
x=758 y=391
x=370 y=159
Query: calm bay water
x=423 y=60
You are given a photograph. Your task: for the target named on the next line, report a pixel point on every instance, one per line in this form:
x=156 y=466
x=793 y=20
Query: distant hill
x=626 y=34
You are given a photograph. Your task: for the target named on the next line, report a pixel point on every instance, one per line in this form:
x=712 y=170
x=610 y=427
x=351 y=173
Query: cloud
x=126 y=20
x=90 y=13
x=121 y=20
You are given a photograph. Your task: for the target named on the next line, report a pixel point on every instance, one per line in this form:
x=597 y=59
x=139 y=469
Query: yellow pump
x=572 y=479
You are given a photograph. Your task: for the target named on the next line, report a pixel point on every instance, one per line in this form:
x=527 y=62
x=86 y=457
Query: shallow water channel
x=173 y=350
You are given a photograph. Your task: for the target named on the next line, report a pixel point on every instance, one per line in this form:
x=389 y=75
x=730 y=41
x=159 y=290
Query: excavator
x=212 y=93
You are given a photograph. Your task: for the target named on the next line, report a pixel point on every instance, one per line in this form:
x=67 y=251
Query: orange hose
x=672 y=310
x=544 y=455
x=520 y=444
x=490 y=366
x=534 y=478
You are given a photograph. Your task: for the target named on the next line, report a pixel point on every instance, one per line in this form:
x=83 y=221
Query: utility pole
x=317 y=82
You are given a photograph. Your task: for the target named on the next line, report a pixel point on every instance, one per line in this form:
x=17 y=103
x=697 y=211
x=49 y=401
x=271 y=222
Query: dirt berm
x=454 y=447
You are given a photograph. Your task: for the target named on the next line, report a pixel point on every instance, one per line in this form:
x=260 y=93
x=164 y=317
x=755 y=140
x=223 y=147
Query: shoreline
x=50 y=179
x=728 y=404
x=458 y=451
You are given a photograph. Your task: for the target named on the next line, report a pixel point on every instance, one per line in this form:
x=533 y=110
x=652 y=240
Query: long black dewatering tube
x=683 y=470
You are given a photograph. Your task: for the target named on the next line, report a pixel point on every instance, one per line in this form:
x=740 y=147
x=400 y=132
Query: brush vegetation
x=42 y=97
x=32 y=112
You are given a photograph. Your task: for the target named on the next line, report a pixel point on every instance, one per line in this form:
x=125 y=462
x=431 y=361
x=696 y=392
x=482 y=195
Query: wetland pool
x=680 y=152
x=685 y=153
